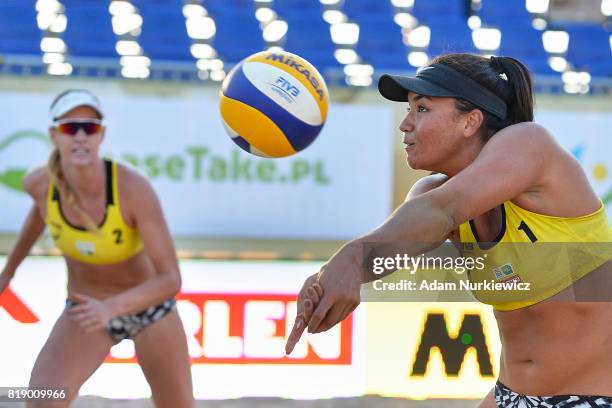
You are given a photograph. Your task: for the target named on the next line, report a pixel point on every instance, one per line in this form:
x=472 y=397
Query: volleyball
x=273 y=103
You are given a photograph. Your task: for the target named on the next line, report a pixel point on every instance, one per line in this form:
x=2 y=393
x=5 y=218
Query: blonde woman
x=122 y=269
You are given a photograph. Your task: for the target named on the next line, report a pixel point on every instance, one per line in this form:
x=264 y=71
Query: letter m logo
x=276 y=57
x=453 y=350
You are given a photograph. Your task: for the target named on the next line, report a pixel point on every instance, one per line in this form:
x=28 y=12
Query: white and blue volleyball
x=274 y=103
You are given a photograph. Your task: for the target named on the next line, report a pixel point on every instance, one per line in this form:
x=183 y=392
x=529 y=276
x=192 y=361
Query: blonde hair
x=54 y=169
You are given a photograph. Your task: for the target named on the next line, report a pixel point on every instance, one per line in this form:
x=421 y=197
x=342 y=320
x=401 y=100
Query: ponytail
x=520 y=97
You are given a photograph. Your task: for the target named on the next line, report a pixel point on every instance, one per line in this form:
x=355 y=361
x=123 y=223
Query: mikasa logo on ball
x=301 y=69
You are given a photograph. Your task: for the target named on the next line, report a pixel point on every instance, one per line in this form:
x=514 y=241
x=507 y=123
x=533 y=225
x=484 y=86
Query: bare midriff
x=104 y=281
x=557 y=348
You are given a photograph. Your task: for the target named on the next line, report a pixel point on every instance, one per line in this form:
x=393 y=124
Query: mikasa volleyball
x=274 y=103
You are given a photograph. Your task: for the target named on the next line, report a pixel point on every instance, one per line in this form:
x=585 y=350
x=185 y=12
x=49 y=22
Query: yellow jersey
x=544 y=254
x=115 y=242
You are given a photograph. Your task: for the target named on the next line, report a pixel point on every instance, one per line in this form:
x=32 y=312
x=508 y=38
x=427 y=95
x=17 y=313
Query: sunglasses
x=71 y=127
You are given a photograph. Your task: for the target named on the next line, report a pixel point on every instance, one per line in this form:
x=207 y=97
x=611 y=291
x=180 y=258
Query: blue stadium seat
x=89 y=32
x=298 y=4
x=19 y=33
x=380 y=43
x=450 y=38
x=100 y=3
x=358 y=8
x=164 y=34
x=294 y=9
x=307 y=31
x=394 y=61
x=238 y=33
x=507 y=21
x=538 y=66
x=505 y=15
x=589 y=48
x=601 y=68
x=155 y=3
x=322 y=59
x=229 y=6
x=525 y=44
x=17 y=46
x=246 y=4
x=434 y=10
x=495 y=10
x=309 y=37
x=444 y=19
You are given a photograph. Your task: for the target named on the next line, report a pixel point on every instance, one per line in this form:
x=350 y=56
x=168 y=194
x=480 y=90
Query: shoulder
x=133 y=186
x=36 y=183
x=426 y=184
x=521 y=148
x=524 y=148
x=522 y=158
x=526 y=136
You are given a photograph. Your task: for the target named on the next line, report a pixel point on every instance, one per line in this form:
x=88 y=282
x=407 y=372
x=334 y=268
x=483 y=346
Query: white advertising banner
x=236 y=317
x=337 y=188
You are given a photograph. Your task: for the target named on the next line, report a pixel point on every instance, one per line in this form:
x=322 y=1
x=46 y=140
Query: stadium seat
x=19 y=33
x=525 y=44
x=449 y=38
x=380 y=38
x=495 y=10
x=322 y=59
x=307 y=31
x=163 y=3
x=436 y=10
x=89 y=32
x=601 y=68
x=380 y=43
x=589 y=48
x=309 y=36
x=360 y=8
x=538 y=66
x=100 y=3
x=238 y=34
x=164 y=34
x=396 y=61
x=296 y=8
x=230 y=6
x=19 y=46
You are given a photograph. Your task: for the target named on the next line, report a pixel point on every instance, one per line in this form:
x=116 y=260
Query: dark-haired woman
x=499 y=178
x=122 y=269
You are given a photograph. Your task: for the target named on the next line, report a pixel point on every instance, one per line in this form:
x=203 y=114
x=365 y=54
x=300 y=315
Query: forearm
x=31 y=230
x=417 y=226
x=153 y=291
x=427 y=218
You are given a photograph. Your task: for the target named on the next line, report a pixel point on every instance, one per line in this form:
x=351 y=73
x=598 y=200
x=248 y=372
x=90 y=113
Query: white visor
x=73 y=99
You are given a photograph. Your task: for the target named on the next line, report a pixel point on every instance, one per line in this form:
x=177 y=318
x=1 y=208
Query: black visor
x=441 y=80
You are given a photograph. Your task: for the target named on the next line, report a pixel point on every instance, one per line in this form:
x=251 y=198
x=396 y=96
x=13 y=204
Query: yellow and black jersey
x=113 y=243
x=550 y=253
